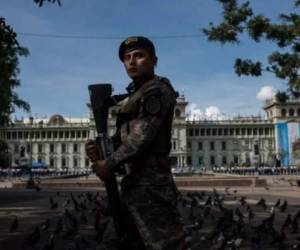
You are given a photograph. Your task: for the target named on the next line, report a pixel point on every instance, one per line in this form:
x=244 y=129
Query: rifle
x=101 y=101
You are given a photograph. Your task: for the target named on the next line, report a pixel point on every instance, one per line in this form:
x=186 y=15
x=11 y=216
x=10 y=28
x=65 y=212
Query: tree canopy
x=10 y=50
x=41 y=2
x=284 y=63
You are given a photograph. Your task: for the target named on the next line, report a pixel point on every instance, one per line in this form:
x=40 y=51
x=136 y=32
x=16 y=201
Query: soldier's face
x=139 y=64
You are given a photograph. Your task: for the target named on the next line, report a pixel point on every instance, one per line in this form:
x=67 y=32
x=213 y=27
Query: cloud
x=265 y=93
x=210 y=113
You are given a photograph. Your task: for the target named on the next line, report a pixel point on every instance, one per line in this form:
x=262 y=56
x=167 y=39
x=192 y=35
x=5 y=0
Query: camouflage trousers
x=151 y=215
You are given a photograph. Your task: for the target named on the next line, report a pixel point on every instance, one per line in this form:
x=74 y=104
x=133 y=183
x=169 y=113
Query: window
x=189 y=145
x=249 y=131
x=67 y=134
x=212 y=145
x=28 y=148
x=20 y=135
x=75 y=148
x=196 y=132
x=283 y=112
x=61 y=134
x=191 y=132
x=8 y=136
x=256 y=149
x=212 y=160
x=243 y=131
x=225 y=131
x=51 y=148
x=75 y=162
x=231 y=131
x=220 y=131
x=200 y=146
x=63 y=162
x=189 y=160
x=87 y=162
x=14 y=135
x=223 y=145
x=72 y=134
x=291 y=112
x=40 y=148
x=202 y=131
x=298 y=112
x=174 y=145
x=51 y=162
x=84 y=134
x=267 y=131
x=237 y=131
x=200 y=160
x=224 y=160
x=49 y=135
x=255 y=131
x=208 y=131
x=43 y=134
x=63 y=148
x=177 y=112
x=78 y=134
x=214 y=132
x=55 y=134
x=236 y=159
x=261 y=130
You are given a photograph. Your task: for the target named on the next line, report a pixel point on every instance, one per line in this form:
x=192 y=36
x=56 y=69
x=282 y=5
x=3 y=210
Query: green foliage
x=285 y=33
x=10 y=50
x=281 y=97
x=41 y=2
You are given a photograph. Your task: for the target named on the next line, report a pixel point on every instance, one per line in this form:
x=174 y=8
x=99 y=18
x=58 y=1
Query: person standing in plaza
x=142 y=142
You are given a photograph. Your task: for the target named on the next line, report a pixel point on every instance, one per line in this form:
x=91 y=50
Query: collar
x=135 y=85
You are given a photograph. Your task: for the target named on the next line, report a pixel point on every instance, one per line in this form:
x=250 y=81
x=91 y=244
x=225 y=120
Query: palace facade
x=59 y=142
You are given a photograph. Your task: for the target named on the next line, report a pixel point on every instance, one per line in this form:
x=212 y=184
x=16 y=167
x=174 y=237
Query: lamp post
x=30 y=182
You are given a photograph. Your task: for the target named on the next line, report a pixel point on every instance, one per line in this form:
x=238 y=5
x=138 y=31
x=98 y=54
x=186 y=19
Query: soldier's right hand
x=91 y=150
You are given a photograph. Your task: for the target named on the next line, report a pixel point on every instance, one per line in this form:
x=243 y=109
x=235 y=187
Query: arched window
x=283 y=112
x=113 y=113
x=177 y=112
x=291 y=112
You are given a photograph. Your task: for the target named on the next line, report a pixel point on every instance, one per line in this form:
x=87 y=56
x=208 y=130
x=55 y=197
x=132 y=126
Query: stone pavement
x=33 y=209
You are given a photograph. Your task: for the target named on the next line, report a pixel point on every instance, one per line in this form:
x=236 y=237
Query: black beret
x=135 y=42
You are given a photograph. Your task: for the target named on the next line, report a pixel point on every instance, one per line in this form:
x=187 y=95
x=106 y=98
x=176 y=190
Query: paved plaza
x=43 y=209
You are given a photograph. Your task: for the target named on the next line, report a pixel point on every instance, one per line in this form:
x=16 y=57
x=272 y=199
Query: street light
x=30 y=182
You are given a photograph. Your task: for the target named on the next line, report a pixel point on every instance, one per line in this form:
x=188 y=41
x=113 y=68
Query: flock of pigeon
x=212 y=220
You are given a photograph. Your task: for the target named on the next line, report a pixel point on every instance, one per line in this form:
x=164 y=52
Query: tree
x=41 y=2
x=10 y=50
x=285 y=33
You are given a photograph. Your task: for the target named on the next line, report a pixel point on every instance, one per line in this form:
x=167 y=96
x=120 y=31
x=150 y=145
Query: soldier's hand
x=102 y=169
x=91 y=150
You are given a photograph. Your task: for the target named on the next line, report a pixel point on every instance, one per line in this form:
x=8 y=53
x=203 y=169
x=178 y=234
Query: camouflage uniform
x=148 y=191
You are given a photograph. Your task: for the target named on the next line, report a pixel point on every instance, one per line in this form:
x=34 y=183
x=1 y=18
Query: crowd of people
x=258 y=170
x=22 y=172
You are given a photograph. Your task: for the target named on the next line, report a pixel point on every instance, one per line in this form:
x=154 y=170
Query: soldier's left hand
x=102 y=169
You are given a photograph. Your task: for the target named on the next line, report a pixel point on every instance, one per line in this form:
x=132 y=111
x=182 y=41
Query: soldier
x=142 y=142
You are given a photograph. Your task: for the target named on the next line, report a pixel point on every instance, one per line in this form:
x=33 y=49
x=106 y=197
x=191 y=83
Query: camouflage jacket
x=144 y=122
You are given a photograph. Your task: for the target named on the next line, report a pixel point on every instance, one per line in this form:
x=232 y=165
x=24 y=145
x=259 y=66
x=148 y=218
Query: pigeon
x=45 y=225
x=50 y=242
x=34 y=237
x=287 y=222
x=243 y=200
x=14 y=225
x=277 y=204
x=283 y=207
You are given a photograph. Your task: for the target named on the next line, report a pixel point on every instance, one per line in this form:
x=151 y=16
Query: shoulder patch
x=152 y=105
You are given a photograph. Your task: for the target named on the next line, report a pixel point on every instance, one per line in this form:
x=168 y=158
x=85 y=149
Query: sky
x=55 y=76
